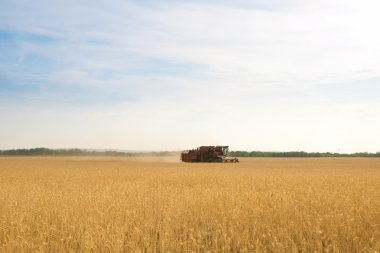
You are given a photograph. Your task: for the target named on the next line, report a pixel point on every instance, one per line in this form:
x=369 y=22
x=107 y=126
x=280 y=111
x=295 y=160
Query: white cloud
x=255 y=85
x=310 y=43
x=303 y=45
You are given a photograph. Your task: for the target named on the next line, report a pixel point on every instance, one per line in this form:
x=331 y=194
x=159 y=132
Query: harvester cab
x=224 y=150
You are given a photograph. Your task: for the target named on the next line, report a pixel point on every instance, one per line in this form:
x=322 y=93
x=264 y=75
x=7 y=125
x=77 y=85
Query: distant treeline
x=298 y=154
x=84 y=152
x=77 y=152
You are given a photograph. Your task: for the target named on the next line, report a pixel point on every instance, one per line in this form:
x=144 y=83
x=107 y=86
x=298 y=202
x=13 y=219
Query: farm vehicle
x=210 y=154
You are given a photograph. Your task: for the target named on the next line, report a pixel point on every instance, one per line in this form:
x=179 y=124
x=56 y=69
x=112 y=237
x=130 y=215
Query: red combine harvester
x=208 y=154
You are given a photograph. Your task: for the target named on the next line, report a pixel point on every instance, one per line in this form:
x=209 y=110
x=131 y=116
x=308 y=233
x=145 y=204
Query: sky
x=264 y=75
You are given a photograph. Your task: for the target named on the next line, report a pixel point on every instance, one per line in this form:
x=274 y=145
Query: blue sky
x=172 y=74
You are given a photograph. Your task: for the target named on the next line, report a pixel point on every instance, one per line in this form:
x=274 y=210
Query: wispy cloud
x=247 y=66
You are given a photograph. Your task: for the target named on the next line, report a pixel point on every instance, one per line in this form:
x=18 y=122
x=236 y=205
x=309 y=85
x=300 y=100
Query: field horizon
x=67 y=152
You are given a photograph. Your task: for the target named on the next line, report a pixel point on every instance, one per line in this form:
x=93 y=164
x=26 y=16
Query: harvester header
x=210 y=154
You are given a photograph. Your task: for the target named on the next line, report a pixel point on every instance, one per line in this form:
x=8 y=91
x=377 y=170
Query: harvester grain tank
x=210 y=154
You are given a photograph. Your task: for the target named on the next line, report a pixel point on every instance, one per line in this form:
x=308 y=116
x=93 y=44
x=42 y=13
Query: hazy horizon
x=180 y=150
x=173 y=75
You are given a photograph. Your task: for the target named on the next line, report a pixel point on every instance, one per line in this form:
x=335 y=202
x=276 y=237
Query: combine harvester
x=208 y=154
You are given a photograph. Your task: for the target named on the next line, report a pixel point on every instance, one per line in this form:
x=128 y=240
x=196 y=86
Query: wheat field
x=109 y=204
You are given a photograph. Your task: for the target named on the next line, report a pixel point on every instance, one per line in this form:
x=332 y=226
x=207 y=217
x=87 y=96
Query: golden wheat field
x=161 y=205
